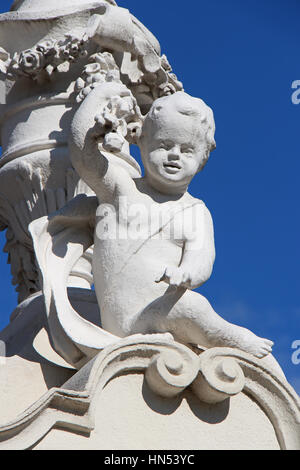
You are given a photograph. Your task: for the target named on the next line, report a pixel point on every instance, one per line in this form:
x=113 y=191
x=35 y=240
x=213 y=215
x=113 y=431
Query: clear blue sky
x=241 y=57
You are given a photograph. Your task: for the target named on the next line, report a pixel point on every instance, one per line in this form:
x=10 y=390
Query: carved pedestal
x=149 y=392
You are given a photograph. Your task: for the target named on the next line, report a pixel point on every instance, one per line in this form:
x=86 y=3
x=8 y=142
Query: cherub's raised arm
x=90 y=154
x=85 y=155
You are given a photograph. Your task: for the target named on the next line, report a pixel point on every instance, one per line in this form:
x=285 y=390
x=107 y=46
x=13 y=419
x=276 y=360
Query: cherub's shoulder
x=200 y=207
x=194 y=201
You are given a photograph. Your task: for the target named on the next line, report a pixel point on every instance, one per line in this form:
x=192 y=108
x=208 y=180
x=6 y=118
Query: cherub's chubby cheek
x=155 y=162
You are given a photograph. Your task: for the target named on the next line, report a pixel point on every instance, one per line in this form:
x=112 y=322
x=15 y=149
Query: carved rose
x=93 y=73
x=46 y=57
x=47 y=48
x=31 y=61
x=4 y=61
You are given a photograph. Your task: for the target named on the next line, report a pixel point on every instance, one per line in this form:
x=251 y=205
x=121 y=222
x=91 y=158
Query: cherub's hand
x=175 y=277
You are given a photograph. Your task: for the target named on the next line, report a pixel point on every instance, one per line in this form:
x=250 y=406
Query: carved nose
x=174 y=153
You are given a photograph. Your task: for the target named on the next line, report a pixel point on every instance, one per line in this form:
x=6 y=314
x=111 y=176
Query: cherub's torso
x=136 y=237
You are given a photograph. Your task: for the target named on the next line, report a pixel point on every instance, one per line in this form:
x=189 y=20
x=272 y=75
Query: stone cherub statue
x=153 y=241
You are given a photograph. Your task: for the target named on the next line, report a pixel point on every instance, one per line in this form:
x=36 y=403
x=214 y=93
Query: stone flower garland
x=43 y=59
x=103 y=68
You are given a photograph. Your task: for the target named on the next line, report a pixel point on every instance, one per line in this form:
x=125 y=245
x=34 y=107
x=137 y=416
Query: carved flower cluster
x=165 y=82
x=120 y=119
x=101 y=68
x=155 y=85
x=44 y=58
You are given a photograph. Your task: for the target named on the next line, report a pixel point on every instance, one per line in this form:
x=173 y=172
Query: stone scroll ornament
x=215 y=375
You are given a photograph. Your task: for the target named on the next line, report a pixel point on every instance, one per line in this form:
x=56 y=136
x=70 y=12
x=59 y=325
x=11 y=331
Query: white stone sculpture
x=144 y=278
x=80 y=85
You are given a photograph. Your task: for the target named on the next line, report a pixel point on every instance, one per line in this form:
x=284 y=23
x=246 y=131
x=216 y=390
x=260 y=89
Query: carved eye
x=187 y=149
x=166 y=145
x=163 y=146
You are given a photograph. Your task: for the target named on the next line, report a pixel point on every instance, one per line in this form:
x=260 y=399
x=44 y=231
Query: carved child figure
x=144 y=283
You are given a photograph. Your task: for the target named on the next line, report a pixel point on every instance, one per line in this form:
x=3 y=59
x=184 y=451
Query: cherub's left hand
x=176 y=277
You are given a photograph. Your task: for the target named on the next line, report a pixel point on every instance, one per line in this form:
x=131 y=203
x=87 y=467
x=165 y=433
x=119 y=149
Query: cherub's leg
x=191 y=319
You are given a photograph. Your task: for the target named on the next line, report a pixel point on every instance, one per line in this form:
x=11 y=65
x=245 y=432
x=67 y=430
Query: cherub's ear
x=201 y=167
x=213 y=144
x=205 y=159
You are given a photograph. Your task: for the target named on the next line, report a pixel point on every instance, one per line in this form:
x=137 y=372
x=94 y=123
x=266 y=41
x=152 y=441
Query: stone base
x=149 y=392
x=31 y=367
x=130 y=416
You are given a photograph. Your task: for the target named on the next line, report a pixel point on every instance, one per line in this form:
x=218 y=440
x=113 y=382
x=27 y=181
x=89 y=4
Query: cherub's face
x=173 y=154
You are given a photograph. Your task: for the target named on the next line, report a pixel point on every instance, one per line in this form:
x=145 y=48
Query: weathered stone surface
x=114 y=403
x=127 y=365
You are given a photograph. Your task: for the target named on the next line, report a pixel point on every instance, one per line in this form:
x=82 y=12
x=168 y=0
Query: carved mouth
x=172 y=166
